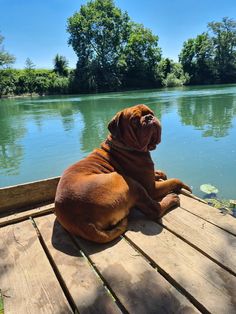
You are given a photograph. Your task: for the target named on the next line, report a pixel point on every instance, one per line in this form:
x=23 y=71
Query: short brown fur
x=95 y=195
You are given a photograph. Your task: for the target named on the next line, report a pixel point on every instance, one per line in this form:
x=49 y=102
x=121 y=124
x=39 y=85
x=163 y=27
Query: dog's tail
x=92 y=233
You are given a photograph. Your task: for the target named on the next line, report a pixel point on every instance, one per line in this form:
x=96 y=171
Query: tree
x=5 y=58
x=196 y=58
x=211 y=56
x=60 y=65
x=171 y=73
x=98 y=33
x=30 y=75
x=224 y=39
x=7 y=82
x=164 y=67
x=142 y=55
x=186 y=57
x=204 y=59
x=112 y=50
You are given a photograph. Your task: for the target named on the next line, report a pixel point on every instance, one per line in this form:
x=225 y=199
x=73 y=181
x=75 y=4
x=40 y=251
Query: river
x=40 y=137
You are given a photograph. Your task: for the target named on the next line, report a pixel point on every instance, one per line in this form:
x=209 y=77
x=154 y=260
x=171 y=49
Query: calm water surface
x=40 y=137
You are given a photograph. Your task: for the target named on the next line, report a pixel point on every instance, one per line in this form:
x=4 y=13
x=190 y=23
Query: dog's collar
x=116 y=145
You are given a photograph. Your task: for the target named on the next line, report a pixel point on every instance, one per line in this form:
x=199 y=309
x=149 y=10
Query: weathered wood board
x=29 y=194
x=138 y=286
x=209 y=213
x=18 y=216
x=213 y=241
x=27 y=280
x=204 y=280
x=87 y=291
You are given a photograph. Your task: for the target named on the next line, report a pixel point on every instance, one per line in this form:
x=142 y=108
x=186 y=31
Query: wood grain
x=213 y=241
x=19 y=216
x=209 y=213
x=86 y=289
x=28 y=282
x=29 y=194
x=205 y=281
x=138 y=286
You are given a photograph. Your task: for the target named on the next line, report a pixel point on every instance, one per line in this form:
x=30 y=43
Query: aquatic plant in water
x=209 y=189
x=223 y=205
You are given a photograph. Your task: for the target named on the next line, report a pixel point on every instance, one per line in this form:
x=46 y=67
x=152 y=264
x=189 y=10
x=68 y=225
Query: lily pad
x=209 y=189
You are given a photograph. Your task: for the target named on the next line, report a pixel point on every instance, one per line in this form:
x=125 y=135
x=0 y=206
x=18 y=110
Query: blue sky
x=37 y=28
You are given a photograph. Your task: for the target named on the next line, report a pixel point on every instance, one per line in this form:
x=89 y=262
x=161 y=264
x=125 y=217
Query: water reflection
x=52 y=132
x=12 y=129
x=212 y=115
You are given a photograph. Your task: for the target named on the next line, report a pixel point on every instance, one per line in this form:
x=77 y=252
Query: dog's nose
x=148 y=117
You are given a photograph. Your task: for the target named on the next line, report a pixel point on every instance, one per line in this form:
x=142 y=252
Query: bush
x=42 y=82
x=8 y=81
x=171 y=80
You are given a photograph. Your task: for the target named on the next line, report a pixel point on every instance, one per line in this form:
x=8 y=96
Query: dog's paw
x=169 y=201
x=178 y=185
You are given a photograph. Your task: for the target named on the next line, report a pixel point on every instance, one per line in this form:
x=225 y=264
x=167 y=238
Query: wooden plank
x=209 y=213
x=83 y=284
x=205 y=281
x=14 y=217
x=28 y=282
x=213 y=241
x=29 y=194
x=138 y=286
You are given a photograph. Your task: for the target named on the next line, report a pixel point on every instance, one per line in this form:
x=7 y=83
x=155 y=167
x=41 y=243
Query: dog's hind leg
x=102 y=235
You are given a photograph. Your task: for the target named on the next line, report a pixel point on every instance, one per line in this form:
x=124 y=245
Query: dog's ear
x=114 y=125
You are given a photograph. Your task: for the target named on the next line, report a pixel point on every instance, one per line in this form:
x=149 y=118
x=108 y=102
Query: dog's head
x=137 y=128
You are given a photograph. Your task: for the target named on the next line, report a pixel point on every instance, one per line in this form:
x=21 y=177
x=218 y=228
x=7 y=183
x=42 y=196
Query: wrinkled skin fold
x=95 y=195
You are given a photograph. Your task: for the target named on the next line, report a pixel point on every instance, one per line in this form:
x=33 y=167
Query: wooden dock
x=184 y=263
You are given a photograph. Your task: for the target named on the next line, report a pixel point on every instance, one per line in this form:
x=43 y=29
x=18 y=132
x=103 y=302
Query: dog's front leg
x=162 y=188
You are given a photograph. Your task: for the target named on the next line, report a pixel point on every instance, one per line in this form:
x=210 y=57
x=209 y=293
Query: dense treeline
x=115 y=53
x=211 y=56
x=36 y=81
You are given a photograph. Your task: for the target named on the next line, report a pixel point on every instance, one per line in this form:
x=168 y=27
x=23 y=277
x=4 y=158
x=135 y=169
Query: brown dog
x=95 y=195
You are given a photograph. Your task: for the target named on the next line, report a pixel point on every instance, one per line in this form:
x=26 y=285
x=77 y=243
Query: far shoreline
x=35 y=95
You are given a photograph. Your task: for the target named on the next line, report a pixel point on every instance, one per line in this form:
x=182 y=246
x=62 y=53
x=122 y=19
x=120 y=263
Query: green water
x=40 y=137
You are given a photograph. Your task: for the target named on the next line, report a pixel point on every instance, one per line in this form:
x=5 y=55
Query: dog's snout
x=148 y=117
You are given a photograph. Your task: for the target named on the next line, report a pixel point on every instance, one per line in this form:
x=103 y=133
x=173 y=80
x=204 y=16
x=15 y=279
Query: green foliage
x=142 y=55
x=5 y=58
x=211 y=57
x=112 y=50
x=61 y=65
x=171 y=74
x=58 y=85
x=221 y=204
x=30 y=76
x=7 y=82
x=224 y=39
x=114 y=53
x=97 y=34
x=196 y=59
x=30 y=81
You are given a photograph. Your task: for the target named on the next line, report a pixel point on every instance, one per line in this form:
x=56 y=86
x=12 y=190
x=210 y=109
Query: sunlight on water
x=40 y=137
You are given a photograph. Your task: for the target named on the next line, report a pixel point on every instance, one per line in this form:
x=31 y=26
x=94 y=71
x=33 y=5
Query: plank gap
x=100 y=276
x=55 y=269
x=198 y=249
x=167 y=277
x=22 y=216
x=224 y=229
